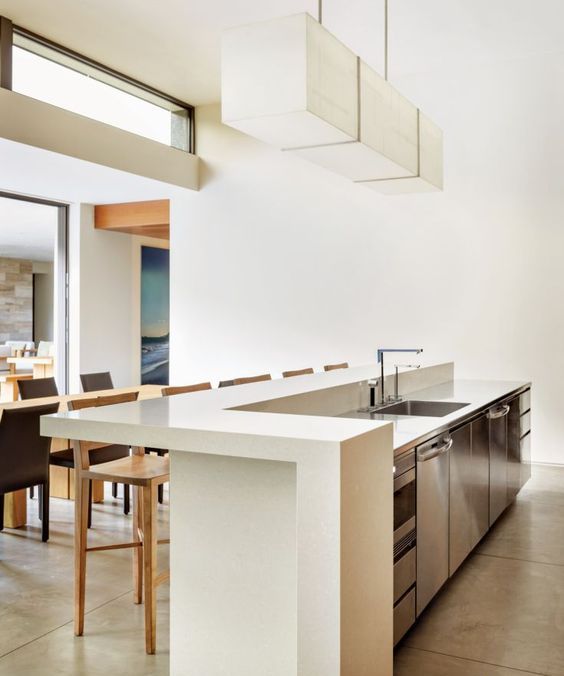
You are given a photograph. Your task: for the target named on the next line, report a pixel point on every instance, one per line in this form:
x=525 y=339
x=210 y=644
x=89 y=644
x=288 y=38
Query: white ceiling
x=27 y=230
x=175 y=44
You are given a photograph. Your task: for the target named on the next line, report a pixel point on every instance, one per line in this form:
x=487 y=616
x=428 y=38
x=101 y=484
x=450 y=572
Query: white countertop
x=206 y=422
x=476 y=393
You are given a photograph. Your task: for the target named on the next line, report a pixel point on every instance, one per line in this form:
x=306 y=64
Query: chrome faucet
x=380 y=355
x=397 y=396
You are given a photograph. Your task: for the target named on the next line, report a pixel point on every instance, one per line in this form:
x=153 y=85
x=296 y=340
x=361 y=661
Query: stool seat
x=137 y=470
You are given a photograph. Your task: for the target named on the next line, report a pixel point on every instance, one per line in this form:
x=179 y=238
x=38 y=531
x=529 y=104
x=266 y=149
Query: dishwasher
x=432 y=518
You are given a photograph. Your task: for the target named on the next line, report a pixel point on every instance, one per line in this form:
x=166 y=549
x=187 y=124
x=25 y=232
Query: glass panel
x=46 y=80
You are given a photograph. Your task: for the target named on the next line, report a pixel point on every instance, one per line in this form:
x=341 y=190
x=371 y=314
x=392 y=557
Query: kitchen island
x=281 y=517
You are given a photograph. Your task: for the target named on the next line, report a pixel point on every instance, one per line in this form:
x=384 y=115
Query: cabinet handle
x=500 y=413
x=434 y=452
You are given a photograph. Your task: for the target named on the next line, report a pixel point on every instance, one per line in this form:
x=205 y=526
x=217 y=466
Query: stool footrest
x=162 y=577
x=124 y=545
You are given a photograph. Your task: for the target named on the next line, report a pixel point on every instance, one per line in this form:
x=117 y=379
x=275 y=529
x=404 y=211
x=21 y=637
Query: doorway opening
x=33 y=291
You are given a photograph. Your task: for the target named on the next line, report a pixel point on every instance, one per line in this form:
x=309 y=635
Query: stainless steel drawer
x=404 y=616
x=405 y=571
x=525 y=423
x=525 y=459
x=525 y=401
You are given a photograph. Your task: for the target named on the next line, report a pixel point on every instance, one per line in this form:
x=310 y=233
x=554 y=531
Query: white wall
x=104 y=277
x=279 y=264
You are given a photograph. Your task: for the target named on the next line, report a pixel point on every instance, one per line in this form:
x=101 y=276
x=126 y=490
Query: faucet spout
x=380 y=360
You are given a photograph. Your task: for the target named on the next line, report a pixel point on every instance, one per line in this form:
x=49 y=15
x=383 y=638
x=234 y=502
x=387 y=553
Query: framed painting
x=155 y=315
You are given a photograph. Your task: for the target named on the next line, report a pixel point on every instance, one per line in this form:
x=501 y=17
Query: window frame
x=43 y=47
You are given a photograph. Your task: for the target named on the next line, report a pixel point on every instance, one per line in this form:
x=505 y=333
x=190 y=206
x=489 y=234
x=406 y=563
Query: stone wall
x=16 y=300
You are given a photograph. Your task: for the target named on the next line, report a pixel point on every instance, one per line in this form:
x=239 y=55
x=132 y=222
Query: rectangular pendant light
x=429 y=176
x=290 y=83
x=386 y=144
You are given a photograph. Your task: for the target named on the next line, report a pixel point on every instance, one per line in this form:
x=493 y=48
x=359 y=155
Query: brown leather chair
x=24 y=457
x=299 y=372
x=92 y=382
x=38 y=387
x=334 y=367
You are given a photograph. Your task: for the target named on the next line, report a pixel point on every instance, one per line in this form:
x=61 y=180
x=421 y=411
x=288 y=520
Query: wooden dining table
x=61 y=479
x=41 y=367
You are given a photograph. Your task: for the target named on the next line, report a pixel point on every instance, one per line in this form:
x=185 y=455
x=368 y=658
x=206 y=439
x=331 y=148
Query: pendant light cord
x=320 y=11
x=385 y=39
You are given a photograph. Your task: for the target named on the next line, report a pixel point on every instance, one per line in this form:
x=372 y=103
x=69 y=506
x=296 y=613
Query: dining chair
x=144 y=473
x=252 y=379
x=299 y=372
x=92 y=382
x=35 y=389
x=38 y=387
x=24 y=457
x=334 y=367
x=170 y=392
x=95 y=382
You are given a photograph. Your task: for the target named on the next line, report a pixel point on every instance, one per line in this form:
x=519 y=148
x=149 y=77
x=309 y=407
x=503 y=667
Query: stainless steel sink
x=432 y=409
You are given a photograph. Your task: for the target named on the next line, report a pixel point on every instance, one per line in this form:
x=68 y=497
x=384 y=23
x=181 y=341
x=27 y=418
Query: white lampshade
x=386 y=146
x=289 y=82
x=429 y=177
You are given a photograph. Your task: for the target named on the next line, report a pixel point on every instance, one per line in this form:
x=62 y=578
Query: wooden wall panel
x=149 y=219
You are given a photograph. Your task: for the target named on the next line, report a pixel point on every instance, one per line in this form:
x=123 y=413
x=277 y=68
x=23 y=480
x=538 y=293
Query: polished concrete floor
x=36 y=599
x=501 y=615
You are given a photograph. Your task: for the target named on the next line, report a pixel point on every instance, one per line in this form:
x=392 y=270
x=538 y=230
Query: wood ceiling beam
x=148 y=219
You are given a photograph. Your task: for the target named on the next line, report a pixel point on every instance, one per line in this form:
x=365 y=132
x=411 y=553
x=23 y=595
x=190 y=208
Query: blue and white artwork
x=155 y=315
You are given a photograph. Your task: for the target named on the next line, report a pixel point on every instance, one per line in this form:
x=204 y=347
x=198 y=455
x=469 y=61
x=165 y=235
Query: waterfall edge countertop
x=278 y=410
x=318 y=520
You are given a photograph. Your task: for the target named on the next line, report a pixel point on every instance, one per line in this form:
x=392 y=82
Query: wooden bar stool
x=145 y=473
x=252 y=379
x=334 y=367
x=299 y=372
x=184 y=389
x=170 y=392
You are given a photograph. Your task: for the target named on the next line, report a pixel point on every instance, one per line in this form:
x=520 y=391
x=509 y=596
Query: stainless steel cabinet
x=480 y=478
x=525 y=432
x=498 y=460
x=513 y=450
x=469 y=490
x=432 y=518
x=461 y=509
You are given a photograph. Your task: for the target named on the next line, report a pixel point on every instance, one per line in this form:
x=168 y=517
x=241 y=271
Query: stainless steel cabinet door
x=498 y=461
x=462 y=529
x=481 y=478
x=513 y=450
x=432 y=518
